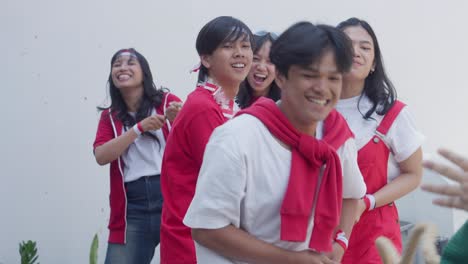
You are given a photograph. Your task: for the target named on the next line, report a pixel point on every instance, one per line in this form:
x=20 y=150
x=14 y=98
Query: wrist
x=369 y=201
x=341 y=239
x=138 y=128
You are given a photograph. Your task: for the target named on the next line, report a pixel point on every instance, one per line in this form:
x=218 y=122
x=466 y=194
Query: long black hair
x=377 y=86
x=245 y=95
x=152 y=97
x=216 y=32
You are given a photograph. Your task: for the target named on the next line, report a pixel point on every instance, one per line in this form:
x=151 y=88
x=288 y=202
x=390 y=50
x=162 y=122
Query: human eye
x=256 y=58
x=227 y=45
x=366 y=47
x=308 y=75
x=335 y=78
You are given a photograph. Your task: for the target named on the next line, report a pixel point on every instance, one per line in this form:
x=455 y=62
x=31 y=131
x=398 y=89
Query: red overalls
x=384 y=220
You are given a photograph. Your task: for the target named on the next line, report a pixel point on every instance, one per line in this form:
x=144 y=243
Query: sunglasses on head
x=262 y=33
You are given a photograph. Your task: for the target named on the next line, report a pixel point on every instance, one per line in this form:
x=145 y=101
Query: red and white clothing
x=383 y=142
x=205 y=109
x=144 y=155
x=110 y=127
x=244 y=180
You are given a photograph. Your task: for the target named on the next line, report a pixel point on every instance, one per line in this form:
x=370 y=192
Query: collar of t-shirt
x=228 y=106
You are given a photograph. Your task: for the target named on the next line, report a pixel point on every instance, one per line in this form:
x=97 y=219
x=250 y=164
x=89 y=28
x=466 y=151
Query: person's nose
x=239 y=51
x=356 y=51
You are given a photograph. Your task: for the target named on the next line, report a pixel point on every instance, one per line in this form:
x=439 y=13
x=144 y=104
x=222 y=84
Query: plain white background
x=57 y=64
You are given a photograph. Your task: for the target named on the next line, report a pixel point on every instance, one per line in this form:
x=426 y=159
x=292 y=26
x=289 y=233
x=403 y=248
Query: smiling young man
x=273 y=179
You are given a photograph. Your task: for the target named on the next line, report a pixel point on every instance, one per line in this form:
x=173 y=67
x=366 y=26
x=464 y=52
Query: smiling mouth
x=238 y=65
x=123 y=77
x=259 y=77
x=321 y=102
x=357 y=63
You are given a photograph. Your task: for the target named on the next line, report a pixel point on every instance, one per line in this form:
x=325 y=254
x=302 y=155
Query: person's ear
x=280 y=79
x=206 y=61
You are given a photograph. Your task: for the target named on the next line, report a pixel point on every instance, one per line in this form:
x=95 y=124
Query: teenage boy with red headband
x=273 y=179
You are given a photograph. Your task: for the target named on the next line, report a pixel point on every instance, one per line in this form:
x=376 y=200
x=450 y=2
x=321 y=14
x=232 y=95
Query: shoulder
x=242 y=128
x=170 y=97
x=200 y=99
x=105 y=115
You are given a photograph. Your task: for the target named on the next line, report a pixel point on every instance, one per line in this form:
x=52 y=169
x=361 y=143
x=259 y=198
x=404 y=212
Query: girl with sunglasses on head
x=389 y=144
x=261 y=78
x=225 y=49
x=131 y=137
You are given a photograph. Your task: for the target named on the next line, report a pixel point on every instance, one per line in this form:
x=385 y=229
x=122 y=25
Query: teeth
x=238 y=65
x=123 y=77
x=260 y=75
x=318 y=101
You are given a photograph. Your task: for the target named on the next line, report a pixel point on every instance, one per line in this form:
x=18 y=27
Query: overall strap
x=389 y=117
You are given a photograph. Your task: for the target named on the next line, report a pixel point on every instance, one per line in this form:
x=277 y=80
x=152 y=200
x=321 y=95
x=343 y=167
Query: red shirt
x=182 y=161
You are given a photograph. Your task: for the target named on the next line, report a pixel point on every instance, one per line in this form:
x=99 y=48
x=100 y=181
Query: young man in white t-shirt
x=273 y=179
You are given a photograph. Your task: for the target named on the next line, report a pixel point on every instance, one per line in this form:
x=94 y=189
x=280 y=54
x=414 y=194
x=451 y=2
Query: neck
x=308 y=129
x=132 y=98
x=352 y=88
x=229 y=89
x=258 y=94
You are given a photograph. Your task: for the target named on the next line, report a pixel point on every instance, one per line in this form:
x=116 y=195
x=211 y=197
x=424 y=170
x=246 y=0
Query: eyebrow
x=364 y=42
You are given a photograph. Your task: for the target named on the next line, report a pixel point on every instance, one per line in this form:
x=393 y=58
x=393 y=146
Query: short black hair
x=303 y=44
x=216 y=32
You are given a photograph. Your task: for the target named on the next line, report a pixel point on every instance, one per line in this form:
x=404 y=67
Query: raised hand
x=173 y=110
x=153 y=122
x=456 y=195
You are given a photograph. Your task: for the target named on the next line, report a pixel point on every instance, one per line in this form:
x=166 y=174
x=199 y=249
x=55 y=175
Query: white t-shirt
x=243 y=179
x=402 y=137
x=144 y=156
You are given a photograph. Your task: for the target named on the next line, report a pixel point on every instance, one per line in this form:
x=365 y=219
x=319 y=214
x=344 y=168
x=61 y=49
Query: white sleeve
x=353 y=182
x=220 y=186
x=403 y=137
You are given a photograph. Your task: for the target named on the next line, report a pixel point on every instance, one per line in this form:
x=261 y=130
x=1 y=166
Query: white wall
x=57 y=62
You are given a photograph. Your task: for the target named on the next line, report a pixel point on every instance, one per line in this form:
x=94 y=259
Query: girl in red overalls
x=389 y=145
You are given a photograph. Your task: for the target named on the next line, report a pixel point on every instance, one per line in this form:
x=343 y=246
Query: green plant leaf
x=28 y=252
x=93 y=253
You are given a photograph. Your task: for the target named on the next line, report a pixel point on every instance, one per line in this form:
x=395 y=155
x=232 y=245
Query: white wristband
x=136 y=129
x=371 y=200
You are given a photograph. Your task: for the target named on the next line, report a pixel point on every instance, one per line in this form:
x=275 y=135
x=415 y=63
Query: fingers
x=449 y=190
x=451 y=202
x=153 y=122
x=446 y=171
x=457 y=159
x=175 y=104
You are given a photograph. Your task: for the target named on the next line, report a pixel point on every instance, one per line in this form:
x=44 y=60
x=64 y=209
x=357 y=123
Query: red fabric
x=117 y=199
x=308 y=156
x=384 y=220
x=390 y=116
x=182 y=161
